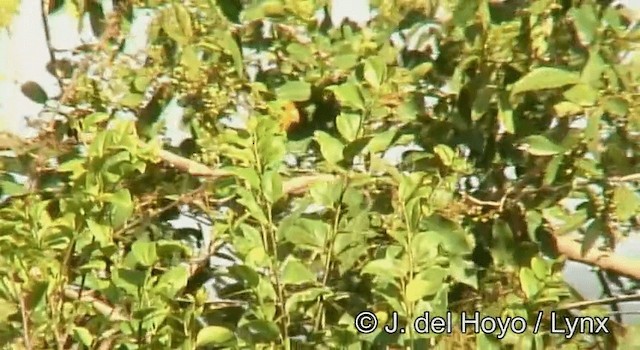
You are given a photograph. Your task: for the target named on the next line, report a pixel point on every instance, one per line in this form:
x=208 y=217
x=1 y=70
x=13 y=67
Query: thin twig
x=114 y=313
x=587 y=303
x=47 y=35
x=180 y=200
x=477 y=201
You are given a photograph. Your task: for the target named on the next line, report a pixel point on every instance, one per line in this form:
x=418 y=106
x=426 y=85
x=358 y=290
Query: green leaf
x=231 y=9
x=272 y=186
x=616 y=106
x=145 y=252
x=626 y=201
x=83 y=335
x=348 y=125
x=7 y=309
x=294 y=91
x=248 y=201
x=539 y=267
x=463 y=271
x=330 y=147
x=173 y=281
x=247 y=174
x=408 y=185
x=8 y=9
x=422 y=69
x=486 y=341
x=463 y=12
x=482 y=103
x=37 y=294
x=586 y=21
x=348 y=94
x=453 y=239
x=345 y=61
x=191 y=61
x=11 y=188
x=503 y=243
x=96 y=17
x=305 y=296
x=231 y=46
x=573 y=222
x=528 y=282
x=307 y=233
x=129 y=280
x=593 y=69
x=34 y=92
x=591 y=235
x=545 y=78
x=375 y=71
x=445 y=153
x=419 y=288
x=176 y=22
x=300 y=52
x=551 y=171
x=385 y=268
x=326 y=193
x=505 y=113
x=582 y=94
x=567 y=109
x=214 y=335
x=93 y=265
x=295 y=272
x=381 y=141
x=122 y=207
x=267 y=331
x=95 y=118
x=539 y=145
x=132 y=100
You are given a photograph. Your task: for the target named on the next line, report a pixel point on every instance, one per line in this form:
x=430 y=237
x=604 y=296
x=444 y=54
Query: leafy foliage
x=536 y=89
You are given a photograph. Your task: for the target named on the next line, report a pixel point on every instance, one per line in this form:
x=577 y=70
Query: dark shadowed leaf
x=231 y=9
x=34 y=92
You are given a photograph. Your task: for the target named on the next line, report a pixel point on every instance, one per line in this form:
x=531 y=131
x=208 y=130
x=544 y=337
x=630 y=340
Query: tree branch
x=608 y=261
x=114 y=313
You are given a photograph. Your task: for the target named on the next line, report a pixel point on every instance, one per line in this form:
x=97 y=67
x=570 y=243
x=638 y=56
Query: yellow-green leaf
x=213 y=335
x=539 y=145
x=545 y=78
x=627 y=202
x=294 y=91
x=330 y=147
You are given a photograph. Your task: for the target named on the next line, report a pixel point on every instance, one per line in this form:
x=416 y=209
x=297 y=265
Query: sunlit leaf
x=545 y=78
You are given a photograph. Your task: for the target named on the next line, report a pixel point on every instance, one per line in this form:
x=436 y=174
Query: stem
x=25 y=322
x=330 y=242
x=409 y=305
x=269 y=242
x=275 y=270
x=47 y=35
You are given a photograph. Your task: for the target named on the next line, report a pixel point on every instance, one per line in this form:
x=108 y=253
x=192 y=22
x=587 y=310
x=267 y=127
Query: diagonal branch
x=587 y=303
x=608 y=261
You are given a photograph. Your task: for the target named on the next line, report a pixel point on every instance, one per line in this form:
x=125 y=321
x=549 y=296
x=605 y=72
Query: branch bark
x=607 y=261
